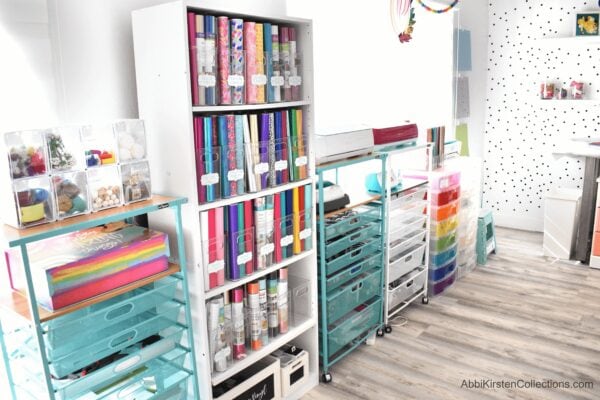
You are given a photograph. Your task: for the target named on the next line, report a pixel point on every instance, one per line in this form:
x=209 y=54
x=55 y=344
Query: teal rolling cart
x=132 y=342
x=351 y=271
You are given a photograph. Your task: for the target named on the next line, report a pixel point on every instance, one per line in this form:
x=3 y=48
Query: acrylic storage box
x=294 y=368
x=131 y=140
x=105 y=187
x=439 y=180
x=99 y=145
x=65 y=152
x=442 y=258
x=262 y=380
x=405 y=262
x=438 y=273
x=32 y=202
x=406 y=287
x=441 y=244
x=443 y=228
x=26 y=153
x=300 y=150
x=299 y=300
x=352 y=294
x=233 y=86
x=441 y=198
x=71 y=194
x=208 y=174
x=445 y=211
x=135 y=178
x=438 y=287
x=256 y=78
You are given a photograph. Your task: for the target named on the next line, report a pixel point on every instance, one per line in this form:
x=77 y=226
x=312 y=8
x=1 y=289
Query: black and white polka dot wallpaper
x=522 y=131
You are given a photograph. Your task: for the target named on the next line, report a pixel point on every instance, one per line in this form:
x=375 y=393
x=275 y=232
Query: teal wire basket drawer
x=351 y=238
x=83 y=326
x=101 y=383
x=353 y=294
x=353 y=255
x=114 y=339
x=351 y=272
x=364 y=214
x=353 y=325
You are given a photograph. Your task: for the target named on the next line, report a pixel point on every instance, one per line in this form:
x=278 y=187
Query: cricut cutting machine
x=338 y=143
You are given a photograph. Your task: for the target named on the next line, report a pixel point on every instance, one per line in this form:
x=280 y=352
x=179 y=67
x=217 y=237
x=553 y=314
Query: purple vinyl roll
x=232 y=248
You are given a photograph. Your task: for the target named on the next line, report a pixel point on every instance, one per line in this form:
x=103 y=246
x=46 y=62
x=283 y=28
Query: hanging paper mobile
x=402 y=23
x=438 y=11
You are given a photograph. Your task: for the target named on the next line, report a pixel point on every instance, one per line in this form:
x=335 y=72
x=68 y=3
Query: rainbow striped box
x=77 y=266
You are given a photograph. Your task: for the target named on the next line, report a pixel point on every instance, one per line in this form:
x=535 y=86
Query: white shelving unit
x=165 y=103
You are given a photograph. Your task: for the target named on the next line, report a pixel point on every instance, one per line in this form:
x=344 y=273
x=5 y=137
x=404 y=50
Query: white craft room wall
x=521 y=131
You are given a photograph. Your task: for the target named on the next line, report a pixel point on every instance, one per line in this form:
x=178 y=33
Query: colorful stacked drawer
x=353 y=273
x=445 y=207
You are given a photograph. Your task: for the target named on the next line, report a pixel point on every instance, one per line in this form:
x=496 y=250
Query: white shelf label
x=209 y=179
x=235 y=175
x=295 y=80
x=277 y=81
x=267 y=249
x=287 y=240
x=300 y=161
x=216 y=266
x=281 y=165
x=259 y=80
x=244 y=258
x=207 y=80
x=235 y=80
x=261 y=168
x=305 y=233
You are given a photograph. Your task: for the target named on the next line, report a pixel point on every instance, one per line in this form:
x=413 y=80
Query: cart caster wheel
x=425 y=300
x=388 y=329
x=380 y=333
x=326 y=378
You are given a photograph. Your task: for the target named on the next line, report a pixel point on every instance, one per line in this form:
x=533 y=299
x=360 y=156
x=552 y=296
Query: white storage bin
x=561 y=211
x=407 y=261
x=407 y=288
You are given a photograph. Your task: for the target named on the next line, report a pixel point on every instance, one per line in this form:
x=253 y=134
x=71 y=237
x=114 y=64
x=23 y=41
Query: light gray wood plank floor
x=520 y=317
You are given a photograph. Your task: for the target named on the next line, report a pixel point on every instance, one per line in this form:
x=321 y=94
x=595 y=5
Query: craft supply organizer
x=351 y=270
x=236 y=152
x=407 y=238
x=134 y=340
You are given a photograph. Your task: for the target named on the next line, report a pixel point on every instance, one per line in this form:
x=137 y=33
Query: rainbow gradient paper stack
x=74 y=267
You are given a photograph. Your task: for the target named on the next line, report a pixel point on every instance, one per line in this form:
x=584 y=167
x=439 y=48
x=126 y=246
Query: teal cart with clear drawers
x=351 y=270
x=134 y=342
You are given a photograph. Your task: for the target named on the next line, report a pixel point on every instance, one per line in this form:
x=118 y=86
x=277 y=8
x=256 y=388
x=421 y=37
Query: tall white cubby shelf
x=165 y=103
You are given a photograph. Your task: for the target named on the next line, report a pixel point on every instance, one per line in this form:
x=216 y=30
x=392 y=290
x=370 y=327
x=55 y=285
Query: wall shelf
x=249 y=107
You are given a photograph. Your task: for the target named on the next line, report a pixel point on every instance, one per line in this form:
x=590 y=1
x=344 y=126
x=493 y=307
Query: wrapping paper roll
x=276 y=62
x=237 y=57
x=231 y=152
x=284 y=55
x=210 y=47
x=260 y=62
x=201 y=61
x=223 y=59
x=293 y=66
x=250 y=48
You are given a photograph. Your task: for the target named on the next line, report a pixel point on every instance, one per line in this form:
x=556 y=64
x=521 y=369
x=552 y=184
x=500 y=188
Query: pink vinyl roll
x=223 y=59
x=250 y=48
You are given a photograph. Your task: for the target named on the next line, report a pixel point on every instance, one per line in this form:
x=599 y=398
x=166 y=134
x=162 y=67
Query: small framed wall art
x=587 y=24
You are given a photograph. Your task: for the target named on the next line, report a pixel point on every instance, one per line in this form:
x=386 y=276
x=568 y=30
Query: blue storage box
x=438 y=273
x=440 y=259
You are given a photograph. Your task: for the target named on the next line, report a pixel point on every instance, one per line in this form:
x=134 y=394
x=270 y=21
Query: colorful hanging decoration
x=403 y=19
x=438 y=11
